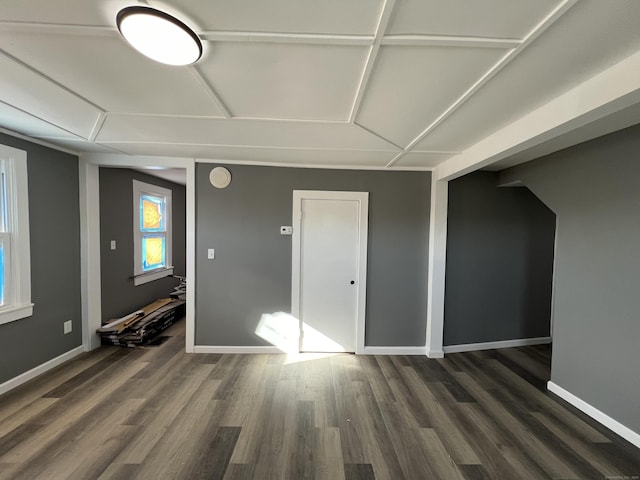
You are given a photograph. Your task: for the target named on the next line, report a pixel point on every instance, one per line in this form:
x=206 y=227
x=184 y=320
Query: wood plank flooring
x=158 y=413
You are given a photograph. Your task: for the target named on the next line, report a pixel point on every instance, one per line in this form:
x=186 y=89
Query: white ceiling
x=396 y=84
x=175 y=175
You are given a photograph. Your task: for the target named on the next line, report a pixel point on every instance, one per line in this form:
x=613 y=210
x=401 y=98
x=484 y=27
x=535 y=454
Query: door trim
x=363 y=215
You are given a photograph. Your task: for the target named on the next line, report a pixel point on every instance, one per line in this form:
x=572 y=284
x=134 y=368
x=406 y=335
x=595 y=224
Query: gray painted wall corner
x=593 y=188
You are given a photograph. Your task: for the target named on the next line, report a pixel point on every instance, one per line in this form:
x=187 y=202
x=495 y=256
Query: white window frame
x=17 y=288
x=139 y=276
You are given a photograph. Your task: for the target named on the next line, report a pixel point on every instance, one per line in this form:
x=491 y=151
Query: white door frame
x=90 y=237
x=553 y=278
x=363 y=214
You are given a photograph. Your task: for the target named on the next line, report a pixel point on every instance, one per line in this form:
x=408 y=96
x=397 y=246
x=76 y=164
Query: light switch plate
x=113 y=244
x=286 y=230
x=211 y=253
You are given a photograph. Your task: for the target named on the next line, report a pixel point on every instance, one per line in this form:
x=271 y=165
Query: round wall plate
x=220 y=177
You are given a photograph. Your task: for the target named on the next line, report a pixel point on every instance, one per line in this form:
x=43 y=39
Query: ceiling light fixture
x=159 y=36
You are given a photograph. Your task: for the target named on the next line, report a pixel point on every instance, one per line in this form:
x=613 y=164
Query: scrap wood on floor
x=142 y=326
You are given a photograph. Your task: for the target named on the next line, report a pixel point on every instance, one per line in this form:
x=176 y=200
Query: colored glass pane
x=152 y=214
x=153 y=252
x=1 y=274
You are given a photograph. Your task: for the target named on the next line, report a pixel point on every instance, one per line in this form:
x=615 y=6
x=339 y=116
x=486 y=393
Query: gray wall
x=594 y=190
x=499 y=262
x=54 y=224
x=251 y=274
x=119 y=295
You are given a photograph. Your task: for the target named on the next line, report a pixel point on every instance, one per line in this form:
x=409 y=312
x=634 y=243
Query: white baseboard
x=434 y=353
x=365 y=351
x=593 y=412
x=39 y=370
x=228 y=349
x=471 y=347
x=394 y=351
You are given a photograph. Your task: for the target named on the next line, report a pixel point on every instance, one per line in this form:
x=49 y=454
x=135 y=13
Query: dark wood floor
x=157 y=413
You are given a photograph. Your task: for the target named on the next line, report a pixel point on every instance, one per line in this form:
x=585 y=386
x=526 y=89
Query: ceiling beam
x=95 y=131
x=606 y=93
x=58 y=28
x=450 y=41
x=377 y=135
x=262 y=37
x=210 y=91
x=385 y=18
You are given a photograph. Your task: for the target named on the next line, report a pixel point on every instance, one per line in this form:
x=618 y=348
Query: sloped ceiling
x=404 y=84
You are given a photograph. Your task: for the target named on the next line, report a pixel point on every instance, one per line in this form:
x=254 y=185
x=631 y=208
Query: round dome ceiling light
x=159 y=36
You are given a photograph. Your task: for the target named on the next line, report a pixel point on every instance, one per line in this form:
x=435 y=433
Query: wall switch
x=67 y=327
x=286 y=230
x=113 y=244
x=211 y=253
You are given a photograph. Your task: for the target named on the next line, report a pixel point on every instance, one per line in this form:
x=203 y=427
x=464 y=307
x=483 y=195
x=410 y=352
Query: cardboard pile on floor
x=143 y=325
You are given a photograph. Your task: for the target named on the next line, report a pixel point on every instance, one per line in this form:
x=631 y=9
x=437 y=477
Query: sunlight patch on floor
x=282 y=330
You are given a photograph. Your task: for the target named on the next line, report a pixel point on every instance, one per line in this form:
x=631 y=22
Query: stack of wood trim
x=141 y=326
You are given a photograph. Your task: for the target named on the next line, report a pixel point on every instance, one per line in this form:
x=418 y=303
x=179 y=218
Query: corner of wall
x=612 y=424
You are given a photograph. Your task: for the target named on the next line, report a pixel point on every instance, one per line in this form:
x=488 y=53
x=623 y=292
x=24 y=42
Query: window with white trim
x=151 y=232
x=15 y=264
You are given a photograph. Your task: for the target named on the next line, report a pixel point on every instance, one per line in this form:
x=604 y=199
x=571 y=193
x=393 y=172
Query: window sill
x=151 y=276
x=11 y=314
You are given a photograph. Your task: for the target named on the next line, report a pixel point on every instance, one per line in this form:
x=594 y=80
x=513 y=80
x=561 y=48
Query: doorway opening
x=500 y=266
x=92 y=243
x=142 y=248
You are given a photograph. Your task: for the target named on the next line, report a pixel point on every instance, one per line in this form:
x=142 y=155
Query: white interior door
x=329 y=231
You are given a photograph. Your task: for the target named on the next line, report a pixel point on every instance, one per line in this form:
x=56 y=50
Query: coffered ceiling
x=397 y=84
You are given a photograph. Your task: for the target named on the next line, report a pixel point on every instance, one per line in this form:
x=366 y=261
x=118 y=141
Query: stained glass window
x=152 y=232
x=153 y=252
x=152 y=218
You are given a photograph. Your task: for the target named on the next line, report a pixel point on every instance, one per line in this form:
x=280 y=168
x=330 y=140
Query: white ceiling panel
x=306 y=82
x=79 y=145
x=268 y=155
x=423 y=159
x=486 y=18
x=287 y=16
x=175 y=175
x=303 y=156
x=26 y=124
x=69 y=12
x=412 y=86
x=273 y=80
x=135 y=128
x=24 y=89
x=592 y=36
x=109 y=73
